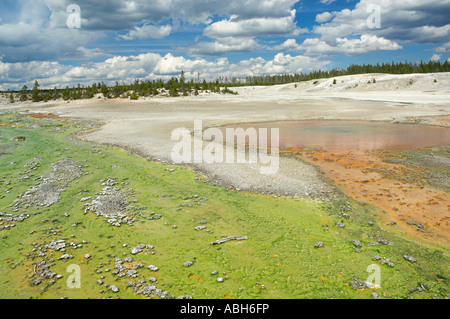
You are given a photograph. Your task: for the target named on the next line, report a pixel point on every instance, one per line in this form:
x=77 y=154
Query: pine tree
x=66 y=94
x=35 y=96
x=23 y=93
x=11 y=98
x=134 y=96
x=55 y=95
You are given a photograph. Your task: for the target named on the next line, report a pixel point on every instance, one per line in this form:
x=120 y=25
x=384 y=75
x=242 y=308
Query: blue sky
x=121 y=40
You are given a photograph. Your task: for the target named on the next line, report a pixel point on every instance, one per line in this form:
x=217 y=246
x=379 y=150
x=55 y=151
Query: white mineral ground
x=145 y=126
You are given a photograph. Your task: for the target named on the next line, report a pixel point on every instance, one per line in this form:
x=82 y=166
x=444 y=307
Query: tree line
x=173 y=87
x=180 y=86
x=389 y=68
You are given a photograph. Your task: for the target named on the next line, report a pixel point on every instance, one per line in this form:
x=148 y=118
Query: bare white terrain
x=145 y=126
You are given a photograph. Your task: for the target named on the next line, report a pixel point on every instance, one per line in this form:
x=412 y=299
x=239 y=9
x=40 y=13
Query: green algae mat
x=86 y=221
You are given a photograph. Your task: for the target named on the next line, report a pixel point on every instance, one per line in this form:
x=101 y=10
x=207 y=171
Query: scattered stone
x=111 y=203
x=376 y=258
x=137 y=249
x=409 y=258
x=65 y=256
x=375 y=295
x=56 y=245
x=420 y=287
x=114 y=289
x=419 y=226
x=385 y=242
x=41 y=271
x=229 y=238
x=188 y=264
x=108 y=182
x=357 y=243
x=388 y=262
x=153 y=268
x=356 y=284
x=48 y=191
x=319 y=244
x=219 y=279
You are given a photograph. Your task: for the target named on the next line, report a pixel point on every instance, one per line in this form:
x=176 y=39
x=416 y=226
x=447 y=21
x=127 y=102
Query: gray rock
x=137 y=249
x=229 y=238
x=114 y=289
x=375 y=295
x=188 y=264
x=385 y=242
x=409 y=258
x=420 y=287
x=357 y=243
x=356 y=284
x=65 y=256
x=147 y=290
x=388 y=262
x=153 y=268
x=319 y=244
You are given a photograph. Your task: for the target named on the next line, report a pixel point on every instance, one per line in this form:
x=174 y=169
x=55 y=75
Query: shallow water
x=357 y=135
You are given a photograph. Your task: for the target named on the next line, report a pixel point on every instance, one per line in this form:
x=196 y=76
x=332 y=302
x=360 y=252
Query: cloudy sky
x=122 y=40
